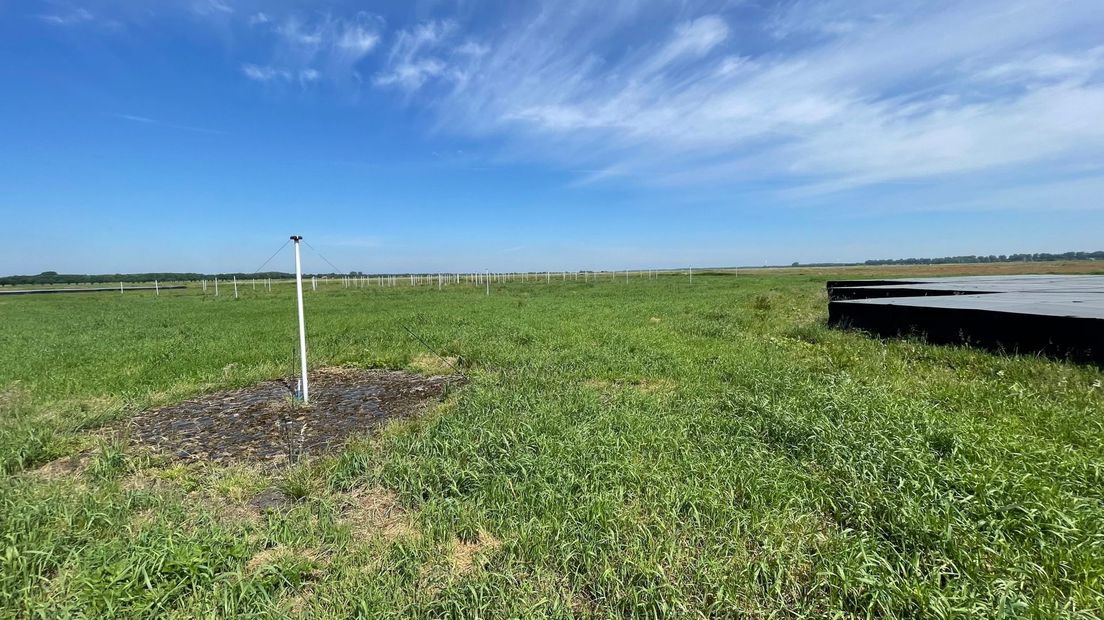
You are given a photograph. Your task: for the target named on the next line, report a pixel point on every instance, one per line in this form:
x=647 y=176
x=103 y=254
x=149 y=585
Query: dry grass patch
x=234 y=513
x=95 y=405
x=646 y=386
x=465 y=556
x=599 y=384
x=434 y=364
x=275 y=555
x=65 y=468
x=141 y=519
x=655 y=386
x=376 y=512
x=140 y=482
x=296 y=605
x=238 y=483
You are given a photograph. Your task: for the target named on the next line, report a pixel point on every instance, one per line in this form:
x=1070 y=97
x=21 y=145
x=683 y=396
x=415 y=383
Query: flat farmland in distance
x=640 y=448
x=951 y=269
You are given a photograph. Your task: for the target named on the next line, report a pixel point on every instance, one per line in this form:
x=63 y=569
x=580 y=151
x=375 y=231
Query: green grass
x=641 y=449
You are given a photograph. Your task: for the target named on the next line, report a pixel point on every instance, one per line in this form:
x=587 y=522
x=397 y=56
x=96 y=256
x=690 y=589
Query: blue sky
x=566 y=134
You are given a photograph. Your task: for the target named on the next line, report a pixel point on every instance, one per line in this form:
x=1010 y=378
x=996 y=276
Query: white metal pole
x=216 y=287
x=302 y=321
x=235 y=287
x=120 y=288
x=156 y=289
x=691 y=275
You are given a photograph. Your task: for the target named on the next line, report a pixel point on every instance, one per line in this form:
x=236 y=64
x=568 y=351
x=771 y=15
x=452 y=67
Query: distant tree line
x=992 y=258
x=53 y=277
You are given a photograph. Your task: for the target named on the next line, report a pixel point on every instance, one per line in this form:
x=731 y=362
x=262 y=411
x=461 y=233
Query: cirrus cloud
x=918 y=90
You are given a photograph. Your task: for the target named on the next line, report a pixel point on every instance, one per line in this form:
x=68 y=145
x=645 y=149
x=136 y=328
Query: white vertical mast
x=302 y=321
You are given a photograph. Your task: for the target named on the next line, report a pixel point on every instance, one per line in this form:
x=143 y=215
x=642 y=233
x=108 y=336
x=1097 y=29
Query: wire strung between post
x=273 y=256
x=336 y=270
x=431 y=350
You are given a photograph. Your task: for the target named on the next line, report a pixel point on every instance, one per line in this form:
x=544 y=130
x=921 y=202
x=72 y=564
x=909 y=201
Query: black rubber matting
x=1054 y=315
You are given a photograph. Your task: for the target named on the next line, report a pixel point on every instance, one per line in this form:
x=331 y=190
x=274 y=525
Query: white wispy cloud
x=296 y=33
x=211 y=7
x=356 y=40
x=269 y=74
x=691 y=40
x=260 y=73
x=315 y=48
x=145 y=120
x=881 y=93
x=417 y=55
x=67 y=17
x=1046 y=67
x=472 y=48
x=828 y=18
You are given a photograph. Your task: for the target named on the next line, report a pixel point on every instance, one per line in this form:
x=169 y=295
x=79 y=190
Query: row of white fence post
x=443 y=279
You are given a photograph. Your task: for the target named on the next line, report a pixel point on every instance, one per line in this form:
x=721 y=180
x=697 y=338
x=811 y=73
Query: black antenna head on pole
x=296 y=237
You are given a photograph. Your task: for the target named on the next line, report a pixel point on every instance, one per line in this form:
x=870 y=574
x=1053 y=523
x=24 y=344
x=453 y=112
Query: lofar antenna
x=302 y=322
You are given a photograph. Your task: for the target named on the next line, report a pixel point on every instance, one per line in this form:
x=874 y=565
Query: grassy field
x=644 y=449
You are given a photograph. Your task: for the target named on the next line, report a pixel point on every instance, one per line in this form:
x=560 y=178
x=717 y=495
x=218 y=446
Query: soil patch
x=269 y=499
x=263 y=423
